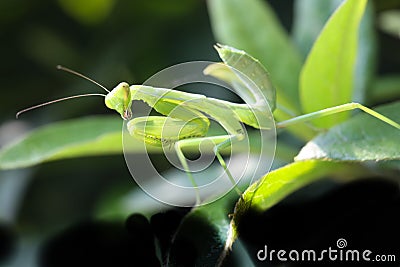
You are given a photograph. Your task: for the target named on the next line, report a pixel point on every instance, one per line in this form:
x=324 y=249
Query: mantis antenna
x=59 y=67
x=68 y=97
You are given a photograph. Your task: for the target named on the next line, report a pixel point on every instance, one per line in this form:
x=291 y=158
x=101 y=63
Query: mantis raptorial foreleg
x=181 y=123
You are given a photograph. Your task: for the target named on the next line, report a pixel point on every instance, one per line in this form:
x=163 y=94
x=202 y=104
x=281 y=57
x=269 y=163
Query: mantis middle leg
x=219 y=142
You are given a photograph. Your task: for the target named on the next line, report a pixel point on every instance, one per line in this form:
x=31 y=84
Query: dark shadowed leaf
x=279 y=183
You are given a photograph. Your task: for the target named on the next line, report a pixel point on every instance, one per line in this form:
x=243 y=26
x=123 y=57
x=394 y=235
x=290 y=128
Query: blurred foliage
x=389 y=22
x=111 y=41
x=88 y=12
x=135 y=40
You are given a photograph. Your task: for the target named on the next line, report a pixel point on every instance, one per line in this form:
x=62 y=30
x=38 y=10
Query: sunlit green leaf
x=310 y=17
x=328 y=74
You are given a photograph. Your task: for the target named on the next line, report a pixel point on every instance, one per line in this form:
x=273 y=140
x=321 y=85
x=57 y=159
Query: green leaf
x=253 y=27
x=385 y=88
x=80 y=137
x=279 y=183
x=361 y=138
x=310 y=17
x=90 y=136
x=366 y=55
x=328 y=74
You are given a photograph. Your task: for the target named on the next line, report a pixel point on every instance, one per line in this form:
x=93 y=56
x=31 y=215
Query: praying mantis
x=185 y=119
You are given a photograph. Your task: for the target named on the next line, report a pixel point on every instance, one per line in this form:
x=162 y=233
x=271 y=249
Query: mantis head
x=120 y=100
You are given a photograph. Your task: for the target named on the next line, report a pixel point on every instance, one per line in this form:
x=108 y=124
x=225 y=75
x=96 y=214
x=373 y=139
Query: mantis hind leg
x=220 y=142
x=334 y=110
